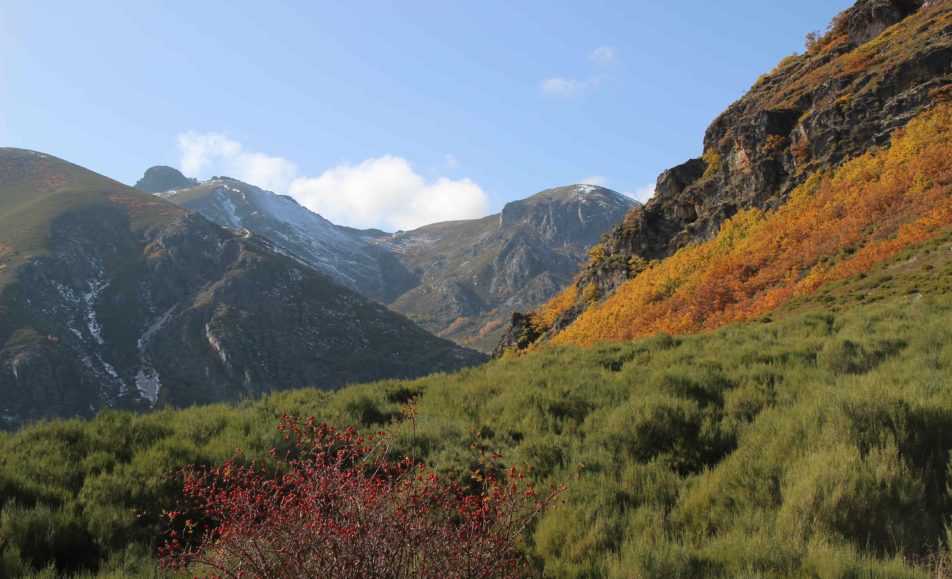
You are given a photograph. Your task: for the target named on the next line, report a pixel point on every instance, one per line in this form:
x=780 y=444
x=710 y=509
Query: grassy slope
x=816 y=442
x=36 y=189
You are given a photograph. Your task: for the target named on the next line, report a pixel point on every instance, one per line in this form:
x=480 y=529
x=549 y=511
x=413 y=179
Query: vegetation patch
x=816 y=443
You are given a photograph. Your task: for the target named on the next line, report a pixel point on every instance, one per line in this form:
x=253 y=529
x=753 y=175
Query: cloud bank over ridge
x=384 y=192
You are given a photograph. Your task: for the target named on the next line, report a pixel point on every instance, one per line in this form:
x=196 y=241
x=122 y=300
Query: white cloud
x=383 y=192
x=563 y=86
x=386 y=192
x=642 y=194
x=597 y=180
x=206 y=154
x=568 y=86
x=602 y=55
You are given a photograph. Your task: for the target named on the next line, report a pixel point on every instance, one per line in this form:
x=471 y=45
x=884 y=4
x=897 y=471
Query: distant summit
x=470 y=276
x=161 y=178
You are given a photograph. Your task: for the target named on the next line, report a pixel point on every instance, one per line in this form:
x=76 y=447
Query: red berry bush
x=338 y=506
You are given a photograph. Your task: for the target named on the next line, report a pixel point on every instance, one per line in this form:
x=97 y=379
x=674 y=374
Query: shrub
x=339 y=507
x=712 y=160
x=774 y=145
x=874 y=500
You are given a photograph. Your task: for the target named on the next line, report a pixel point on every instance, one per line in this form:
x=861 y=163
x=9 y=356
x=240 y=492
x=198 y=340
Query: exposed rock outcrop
x=160 y=179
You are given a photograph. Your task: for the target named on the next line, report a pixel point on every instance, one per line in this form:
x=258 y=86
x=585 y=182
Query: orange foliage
x=833 y=226
x=545 y=316
x=491 y=325
x=458 y=324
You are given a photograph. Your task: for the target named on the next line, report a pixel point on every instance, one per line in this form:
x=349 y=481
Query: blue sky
x=364 y=110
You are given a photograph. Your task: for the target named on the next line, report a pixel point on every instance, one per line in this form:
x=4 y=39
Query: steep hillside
x=881 y=65
x=461 y=280
x=114 y=298
x=812 y=444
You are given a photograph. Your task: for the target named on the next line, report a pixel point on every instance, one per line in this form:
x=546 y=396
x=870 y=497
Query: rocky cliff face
x=880 y=64
x=120 y=309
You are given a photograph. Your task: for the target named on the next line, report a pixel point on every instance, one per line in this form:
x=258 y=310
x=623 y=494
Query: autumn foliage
x=337 y=506
x=834 y=225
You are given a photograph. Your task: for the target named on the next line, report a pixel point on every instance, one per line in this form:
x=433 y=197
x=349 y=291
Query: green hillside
x=814 y=443
x=37 y=189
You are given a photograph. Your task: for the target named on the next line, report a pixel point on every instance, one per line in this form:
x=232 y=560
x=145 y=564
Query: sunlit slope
x=834 y=225
x=815 y=444
x=38 y=189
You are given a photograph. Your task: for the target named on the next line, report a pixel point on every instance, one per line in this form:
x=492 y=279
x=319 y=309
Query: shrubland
x=815 y=441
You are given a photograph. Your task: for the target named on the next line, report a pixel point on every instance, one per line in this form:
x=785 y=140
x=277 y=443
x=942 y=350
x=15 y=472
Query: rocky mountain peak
x=161 y=178
x=459 y=279
x=560 y=214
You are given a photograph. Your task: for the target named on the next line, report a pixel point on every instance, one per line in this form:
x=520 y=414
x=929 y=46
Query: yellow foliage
x=597 y=253
x=774 y=145
x=589 y=294
x=833 y=226
x=545 y=316
x=491 y=326
x=713 y=161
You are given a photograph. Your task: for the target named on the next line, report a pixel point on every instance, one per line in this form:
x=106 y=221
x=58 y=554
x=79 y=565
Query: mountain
x=882 y=64
x=752 y=376
x=160 y=179
x=473 y=274
x=345 y=254
x=461 y=280
x=110 y=297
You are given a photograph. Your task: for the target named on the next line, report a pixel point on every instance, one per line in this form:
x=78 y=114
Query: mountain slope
x=882 y=64
x=813 y=444
x=474 y=274
x=461 y=280
x=342 y=253
x=114 y=298
x=832 y=227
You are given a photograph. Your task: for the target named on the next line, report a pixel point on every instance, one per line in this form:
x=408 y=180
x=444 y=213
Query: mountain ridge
x=458 y=279
x=123 y=300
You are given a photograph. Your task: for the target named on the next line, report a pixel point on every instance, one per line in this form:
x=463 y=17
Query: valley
x=748 y=375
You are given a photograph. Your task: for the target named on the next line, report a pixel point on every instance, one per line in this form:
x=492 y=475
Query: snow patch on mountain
x=148 y=382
